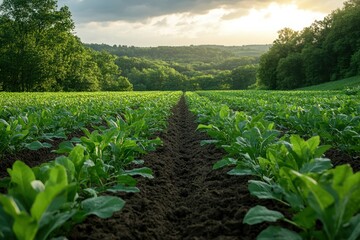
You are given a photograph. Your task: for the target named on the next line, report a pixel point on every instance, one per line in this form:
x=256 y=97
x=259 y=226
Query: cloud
x=141 y=10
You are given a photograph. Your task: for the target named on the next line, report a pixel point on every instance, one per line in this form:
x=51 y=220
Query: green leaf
x=68 y=165
x=103 y=206
x=54 y=187
x=126 y=180
x=241 y=172
x=317 y=166
x=321 y=150
x=64 y=147
x=144 y=172
x=278 y=233
x=313 y=143
x=224 y=162
x=25 y=227
x=6 y=223
x=353 y=228
x=51 y=221
x=122 y=188
x=261 y=214
x=264 y=190
x=77 y=156
x=206 y=142
x=34 y=146
x=20 y=186
x=318 y=196
x=224 y=112
x=202 y=126
x=9 y=205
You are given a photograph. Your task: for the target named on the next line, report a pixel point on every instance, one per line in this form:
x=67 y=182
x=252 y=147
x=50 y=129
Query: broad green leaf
x=321 y=150
x=313 y=143
x=103 y=206
x=126 y=180
x=298 y=146
x=224 y=112
x=34 y=146
x=6 y=223
x=278 y=233
x=55 y=186
x=64 y=147
x=305 y=218
x=264 y=190
x=25 y=227
x=122 y=188
x=9 y=205
x=316 y=166
x=21 y=178
x=202 y=126
x=144 y=172
x=51 y=221
x=321 y=197
x=261 y=214
x=224 y=162
x=353 y=228
x=68 y=165
x=77 y=156
x=205 y=142
x=241 y=172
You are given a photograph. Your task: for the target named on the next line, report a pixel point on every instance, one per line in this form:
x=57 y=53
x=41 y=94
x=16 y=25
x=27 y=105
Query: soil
x=186 y=199
x=338 y=158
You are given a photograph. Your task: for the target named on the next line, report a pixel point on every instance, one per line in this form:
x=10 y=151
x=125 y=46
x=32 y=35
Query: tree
x=290 y=72
x=32 y=33
x=243 y=77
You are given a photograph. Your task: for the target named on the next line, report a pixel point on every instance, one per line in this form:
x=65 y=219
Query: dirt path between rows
x=185 y=200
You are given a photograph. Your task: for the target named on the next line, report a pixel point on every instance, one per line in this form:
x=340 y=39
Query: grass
x=353 y=82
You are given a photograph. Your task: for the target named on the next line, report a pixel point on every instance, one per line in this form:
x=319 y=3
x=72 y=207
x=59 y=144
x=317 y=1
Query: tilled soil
x=186 y=199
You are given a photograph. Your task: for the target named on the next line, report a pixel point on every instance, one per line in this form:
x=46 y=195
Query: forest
x=327 y=50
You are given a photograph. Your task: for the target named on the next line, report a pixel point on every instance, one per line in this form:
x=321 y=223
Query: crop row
x=60 y=193
x=333 y=116
x=34 y=120
x=323 y=202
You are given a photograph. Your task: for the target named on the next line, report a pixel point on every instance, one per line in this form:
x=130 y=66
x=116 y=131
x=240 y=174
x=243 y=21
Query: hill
x=353 y=82
x=185 y=54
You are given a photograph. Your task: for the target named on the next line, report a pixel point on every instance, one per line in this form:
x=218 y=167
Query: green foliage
x=290 y=170
x=40 y=201
x=325 y=51
x=350 y=84
x=40 y=53
x=185 y=74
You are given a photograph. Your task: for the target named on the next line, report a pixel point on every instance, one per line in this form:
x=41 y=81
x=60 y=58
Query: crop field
x=173 y=165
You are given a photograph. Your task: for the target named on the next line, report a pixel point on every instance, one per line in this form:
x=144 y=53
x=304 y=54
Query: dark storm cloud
x=140 y=10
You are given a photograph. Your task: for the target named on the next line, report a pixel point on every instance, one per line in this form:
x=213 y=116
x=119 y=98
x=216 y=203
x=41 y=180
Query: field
x=343 y=84
x=173 y=165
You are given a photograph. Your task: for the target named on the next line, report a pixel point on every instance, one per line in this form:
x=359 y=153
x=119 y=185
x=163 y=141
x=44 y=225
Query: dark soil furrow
x=186 y=199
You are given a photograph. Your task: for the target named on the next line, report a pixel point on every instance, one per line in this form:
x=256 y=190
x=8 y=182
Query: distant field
x=336 y=85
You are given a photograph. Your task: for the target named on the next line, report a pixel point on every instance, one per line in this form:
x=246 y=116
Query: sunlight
x=272 y=19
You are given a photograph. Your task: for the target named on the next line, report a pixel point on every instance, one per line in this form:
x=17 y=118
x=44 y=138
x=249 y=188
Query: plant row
x=44 y=200
x=33 y=120
x=333 y=116
x=323 y=202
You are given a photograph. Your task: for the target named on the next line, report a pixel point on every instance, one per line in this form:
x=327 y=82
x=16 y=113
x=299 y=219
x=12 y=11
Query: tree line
x=39 y=52
x=325 y=51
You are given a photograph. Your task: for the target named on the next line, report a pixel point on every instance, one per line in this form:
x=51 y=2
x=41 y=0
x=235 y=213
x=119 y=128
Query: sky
x=186 y=22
